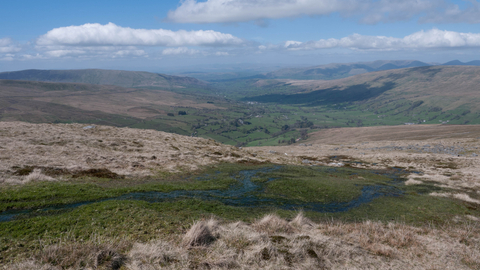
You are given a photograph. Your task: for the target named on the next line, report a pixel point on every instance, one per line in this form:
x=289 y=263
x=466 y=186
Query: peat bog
x=314 y=189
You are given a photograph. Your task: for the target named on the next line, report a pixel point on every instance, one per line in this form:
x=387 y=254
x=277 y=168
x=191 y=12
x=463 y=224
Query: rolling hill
x=460 y=63
x=267 y=111
x=449 y=90
x=41 y=102
x=337 y=71
x=121 y=78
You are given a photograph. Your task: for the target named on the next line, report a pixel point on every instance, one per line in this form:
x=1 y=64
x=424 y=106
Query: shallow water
x=243 y=194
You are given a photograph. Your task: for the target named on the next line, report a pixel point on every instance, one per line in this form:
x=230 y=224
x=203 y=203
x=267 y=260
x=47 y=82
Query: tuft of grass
x=200 y=234
x=272 y=224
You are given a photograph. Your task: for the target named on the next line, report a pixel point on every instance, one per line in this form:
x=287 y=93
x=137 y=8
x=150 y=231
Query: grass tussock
x=300 y=221
x=275 y=243
x=200 y=234
x=37 y=175
x=273 y=224
x=79 y=255
x=31 y=265
x=157 y=253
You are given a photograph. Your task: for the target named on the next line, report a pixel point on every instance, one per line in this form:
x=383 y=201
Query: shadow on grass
x=328 y=96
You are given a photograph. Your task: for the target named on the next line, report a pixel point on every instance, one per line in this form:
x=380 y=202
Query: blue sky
x=192 y=35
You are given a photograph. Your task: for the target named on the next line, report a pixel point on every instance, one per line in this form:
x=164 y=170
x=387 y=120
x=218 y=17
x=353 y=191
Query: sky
x=211 y=35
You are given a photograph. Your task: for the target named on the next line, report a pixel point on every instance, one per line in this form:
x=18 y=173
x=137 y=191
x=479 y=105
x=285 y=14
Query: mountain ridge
x=335 y=71
x=105 y=77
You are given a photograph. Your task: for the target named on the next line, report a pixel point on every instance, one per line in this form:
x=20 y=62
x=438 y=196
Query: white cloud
x=453 y=14
x=94 y=34
x=213 y=11
x=228 y=11
x=180 y=51
x=7 y=57
x=63 y=53
x=32 y=57
x=372 y=12
x=433 y=38
x=112 y=41
x=133 y=52
x=7 y=45
x=89 y=52
x=187 y=51
x=292 y=43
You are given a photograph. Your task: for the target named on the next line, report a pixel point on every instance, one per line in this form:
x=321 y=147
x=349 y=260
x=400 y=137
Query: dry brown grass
x=139 y=103
x=394 y=133
x=157 y=255
x=200 y=234
x=71 y=253
x=80 y=255
x=37 y=175
x=132 y=102
x=54 y=150
x=272 y=224
x=387 y=147
x=327 y=245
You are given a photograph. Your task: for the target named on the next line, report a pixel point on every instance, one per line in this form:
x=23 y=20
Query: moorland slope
x=105 y=77
x=336 y=71
x=70 y=148
x=43 y=162
x=439 y=87
x=45 y=102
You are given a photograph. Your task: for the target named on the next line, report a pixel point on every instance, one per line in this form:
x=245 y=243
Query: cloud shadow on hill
x=334 y=95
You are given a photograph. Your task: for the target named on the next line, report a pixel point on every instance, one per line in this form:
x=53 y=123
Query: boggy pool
x=245 y=194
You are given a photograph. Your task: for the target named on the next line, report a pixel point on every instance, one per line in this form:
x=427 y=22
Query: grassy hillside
x=337 y=71
x=447 y=87
x=41 y=102
x=105 y=77
x=445 y=94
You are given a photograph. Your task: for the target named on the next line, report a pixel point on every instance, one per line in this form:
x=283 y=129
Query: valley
x=249 y=112
x=120 y=170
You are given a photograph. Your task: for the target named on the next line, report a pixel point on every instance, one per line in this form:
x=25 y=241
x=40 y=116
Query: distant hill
x=416 y=90
x=106 y=77
x=337 y=71
x=41 y=102
x=460 y=63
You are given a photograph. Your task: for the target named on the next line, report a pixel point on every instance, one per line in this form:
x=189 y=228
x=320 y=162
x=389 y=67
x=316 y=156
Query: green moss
x=411 y=209
x=43 y=194
x=142 y=221
x=320 y=184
